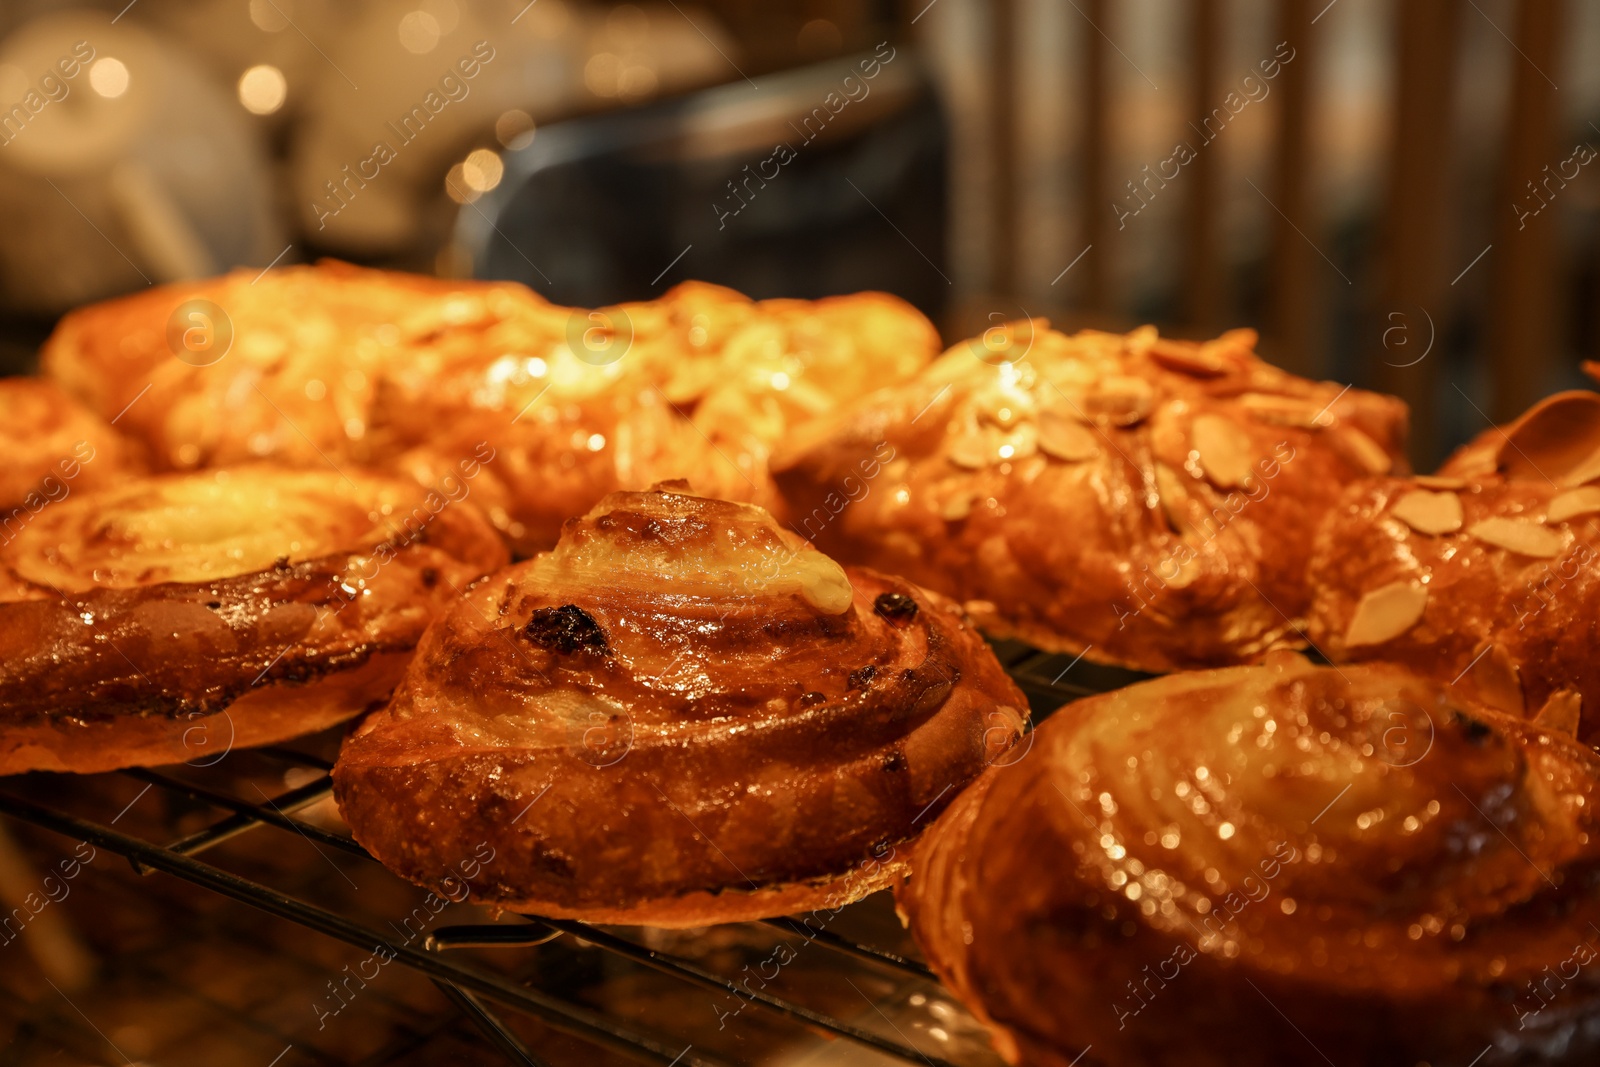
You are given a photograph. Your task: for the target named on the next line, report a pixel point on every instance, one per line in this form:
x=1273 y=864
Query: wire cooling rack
x=454 y=956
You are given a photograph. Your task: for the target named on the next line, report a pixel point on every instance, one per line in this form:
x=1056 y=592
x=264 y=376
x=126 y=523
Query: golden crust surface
x=1144 y=501
x=54 y=447
x=1484 y=575
x=1393 y=870
x=130 y=615
x=682 y=715
x=416 y=375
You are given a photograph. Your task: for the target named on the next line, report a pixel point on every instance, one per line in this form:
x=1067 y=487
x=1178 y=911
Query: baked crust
x=701 y=384
x=131 y=616
x=54 y=447
x=1485 y=574
x=1259 y=864
x=1143 y=501
x=417 y=375
x=671 y=720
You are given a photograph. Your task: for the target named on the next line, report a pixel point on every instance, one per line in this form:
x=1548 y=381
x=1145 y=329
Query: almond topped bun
x=700 y=384
x=1138 y=500
x=306 y=365
x=681 y=715
x=1279 y=864
x=248 y=366
x=1484 y=575
x=171 y=617
x=54 y=447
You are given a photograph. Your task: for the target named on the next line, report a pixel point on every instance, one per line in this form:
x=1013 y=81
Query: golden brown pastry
x=682 y=715
x=1142 y=501
x=700 y=384
x=53 y=447
x=170 y=618
x=1271 y=865
x=280 y=365
x=403 y=373
x=1485 y=575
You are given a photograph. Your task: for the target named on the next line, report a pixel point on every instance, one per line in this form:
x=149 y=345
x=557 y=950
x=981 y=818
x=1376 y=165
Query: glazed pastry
x=1142 y=501
x=700 y=384
x=279 y=365
x=170 y=618
x=1274 y=864
x=1485 y=575
x=682 y=715
x=54 y=447
x=409 y=374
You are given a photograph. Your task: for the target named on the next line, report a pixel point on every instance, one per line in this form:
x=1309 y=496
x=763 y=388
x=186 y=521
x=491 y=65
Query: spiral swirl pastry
x=681 y=715
x=54 y=447
x=1139 y=500
x=1484 y=575
x=1275 y=864
x=172 y=617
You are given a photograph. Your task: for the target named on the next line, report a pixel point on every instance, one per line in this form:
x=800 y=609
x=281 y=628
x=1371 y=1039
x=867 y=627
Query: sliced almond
x=1428 y=512
x=1496 y=678
x=1121 y=400
x=1572 y=504
x=1284 y=410
x=1367 y=452
x=1522 y=536
x=1186 y=357
x=1174 y=497
x=1433 y=481
x=1385 y=613
x=1066 y=439
x=970 y=450
x=1558 y=439
x=1562 y=712
x=959 y=505
x=1224 y=450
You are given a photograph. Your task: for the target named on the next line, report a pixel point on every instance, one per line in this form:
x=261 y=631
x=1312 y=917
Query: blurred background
x=1396 y=194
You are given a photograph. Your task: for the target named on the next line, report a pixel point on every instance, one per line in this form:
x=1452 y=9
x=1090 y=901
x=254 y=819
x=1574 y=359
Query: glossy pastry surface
x=1144 y=501
x=54 y=447
x=281 y=600
x=307 y=365
x=1484 y=575
x=1275 y=864
x=682 y=715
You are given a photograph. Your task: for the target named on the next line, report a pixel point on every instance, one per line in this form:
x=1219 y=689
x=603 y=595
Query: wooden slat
x=1416 y=270
x=1296 y=269
x=1095 y=201
x=1204 y=286
x=1003 y=130
x=1523 y=305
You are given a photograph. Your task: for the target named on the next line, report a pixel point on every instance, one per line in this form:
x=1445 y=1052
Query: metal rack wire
x=478 y=992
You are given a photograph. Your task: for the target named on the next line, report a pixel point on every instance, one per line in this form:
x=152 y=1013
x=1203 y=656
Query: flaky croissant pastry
x=54 y=447
x=307 y=365
x=1270 y=865
x=682 y=715
x=173 y=617
x=1142 y=501
x=1485 y=575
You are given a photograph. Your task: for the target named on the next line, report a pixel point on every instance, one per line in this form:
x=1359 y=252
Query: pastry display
x=168 y=618
x=1142 y=501
x=408 y=374
x=682 y=715
x=1274 y=864
x=1484 y=576
x=54 y=447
